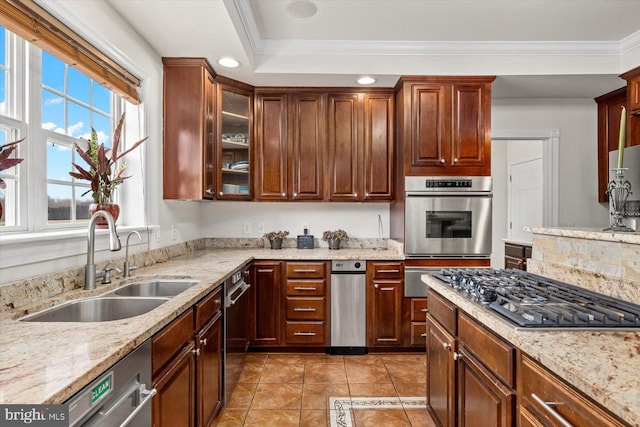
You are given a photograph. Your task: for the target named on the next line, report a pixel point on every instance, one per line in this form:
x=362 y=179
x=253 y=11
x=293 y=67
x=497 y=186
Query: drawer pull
x=388 y=271
x=423 y=335
x=304 y=334
x=446 y=345
x=387 y=289
x=457 y=356
x=305 y=288
x=304 y=271
x=548 y=407
x=203 y=341
x=424 y=310
x=196 y=351
x=304 y=309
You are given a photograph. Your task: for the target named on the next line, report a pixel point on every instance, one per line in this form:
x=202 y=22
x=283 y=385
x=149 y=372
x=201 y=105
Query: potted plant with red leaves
x=104 y=174
x=7 y=163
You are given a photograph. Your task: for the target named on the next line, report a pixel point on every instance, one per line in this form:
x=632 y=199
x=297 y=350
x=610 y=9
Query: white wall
x=577 y=120
x=360 y=220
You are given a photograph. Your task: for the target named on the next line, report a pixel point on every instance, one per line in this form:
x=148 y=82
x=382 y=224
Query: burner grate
x=533 y=301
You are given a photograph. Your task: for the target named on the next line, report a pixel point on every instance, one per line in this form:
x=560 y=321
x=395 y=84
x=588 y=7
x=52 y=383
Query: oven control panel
x=448 y=183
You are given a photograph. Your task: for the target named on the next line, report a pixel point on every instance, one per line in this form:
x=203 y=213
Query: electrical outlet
x=261 y=228
x=246 y=228
x=174 y=232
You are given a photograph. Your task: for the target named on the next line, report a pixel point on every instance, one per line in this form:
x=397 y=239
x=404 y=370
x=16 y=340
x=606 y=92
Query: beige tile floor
x=282 y=390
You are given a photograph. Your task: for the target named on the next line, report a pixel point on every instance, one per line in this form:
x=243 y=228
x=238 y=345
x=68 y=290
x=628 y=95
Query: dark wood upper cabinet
x=609 y=111
x=444 y=125
x=344 y=133
x=378 y=146
x=234 y=139
x=633 y=91
x=189 y=128
x=272 y=148
x=361 y=146
x=308 y=141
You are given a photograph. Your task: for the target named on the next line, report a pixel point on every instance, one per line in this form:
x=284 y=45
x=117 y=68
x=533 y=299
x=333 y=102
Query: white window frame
x=25 y=111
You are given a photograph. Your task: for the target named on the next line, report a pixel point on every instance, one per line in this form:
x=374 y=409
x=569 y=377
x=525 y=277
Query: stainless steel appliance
x=348 y=307
x=236 y=331
x=448 y=217
x=119 y=397
x=531 y=301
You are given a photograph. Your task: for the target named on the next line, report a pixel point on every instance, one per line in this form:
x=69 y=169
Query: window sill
x=26 y=237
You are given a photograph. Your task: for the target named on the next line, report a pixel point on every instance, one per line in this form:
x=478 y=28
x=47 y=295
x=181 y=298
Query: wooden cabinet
x=189 y=129
x=546 y=400
x=173 y=405
x=266 y=303
x=360 y=146
x=414 y=312
x=441 y=388
x=291 y=140
x=234 y=139
x=384 y=303
x=633 y=92
x=470 y=371
x=306 y=303
x=187 y=366
x=609 y=111
x=444 y=125
x=516 y=255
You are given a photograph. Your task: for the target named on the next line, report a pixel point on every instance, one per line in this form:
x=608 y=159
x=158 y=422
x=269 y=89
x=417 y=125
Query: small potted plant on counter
x=275 y=238
x=334 y=238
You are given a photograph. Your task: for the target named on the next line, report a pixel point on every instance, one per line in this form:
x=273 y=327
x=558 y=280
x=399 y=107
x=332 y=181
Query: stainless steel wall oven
x=448 y=217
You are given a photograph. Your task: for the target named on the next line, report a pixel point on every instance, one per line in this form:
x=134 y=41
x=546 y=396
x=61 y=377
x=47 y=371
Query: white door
x=525 y=198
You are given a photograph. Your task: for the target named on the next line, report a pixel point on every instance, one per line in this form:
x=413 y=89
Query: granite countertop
x=604 y=365
x=518 y=242
x=50 y=362
x=587 y=233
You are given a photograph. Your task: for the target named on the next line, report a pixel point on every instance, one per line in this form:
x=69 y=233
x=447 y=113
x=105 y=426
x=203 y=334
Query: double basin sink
x=128 y=301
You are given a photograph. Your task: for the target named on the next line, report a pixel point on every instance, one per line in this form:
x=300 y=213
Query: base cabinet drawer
x=555 y=403
x=305 y=332
x=305 y=308
x=419 y=334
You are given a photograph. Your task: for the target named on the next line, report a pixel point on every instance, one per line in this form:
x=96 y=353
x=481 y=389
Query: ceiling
x=537 y=48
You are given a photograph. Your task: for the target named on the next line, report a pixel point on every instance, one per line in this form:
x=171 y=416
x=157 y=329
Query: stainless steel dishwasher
x=118 y=397
x=348 y=307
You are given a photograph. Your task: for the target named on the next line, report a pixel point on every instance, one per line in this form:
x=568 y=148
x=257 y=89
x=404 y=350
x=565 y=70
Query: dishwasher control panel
x=348 y=266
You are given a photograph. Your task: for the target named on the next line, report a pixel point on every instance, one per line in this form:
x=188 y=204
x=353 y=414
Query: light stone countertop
x=519 y=242
x=603 y=365
x=588 y=233
x=49 y=362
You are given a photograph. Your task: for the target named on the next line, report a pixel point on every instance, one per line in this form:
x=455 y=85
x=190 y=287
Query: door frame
x=510 y=187
x=550 y=169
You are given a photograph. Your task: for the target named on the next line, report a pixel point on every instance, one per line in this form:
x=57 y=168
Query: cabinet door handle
x=442 y=161
x=304 y=288
x=446 y=345
x=295 y=194
x=221 y=193
x=457 y=356
x=424 y=335
x=424 y=310
x=547 y=406
x=305 y=334
x=203 y=341
x=388 y=271
x=196 y=351
x=455 y=160
x=375 y=285
x=304 y=309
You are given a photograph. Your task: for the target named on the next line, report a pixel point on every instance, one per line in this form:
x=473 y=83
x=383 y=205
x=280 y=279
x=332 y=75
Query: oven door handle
x=245 y=287
x=448 y=194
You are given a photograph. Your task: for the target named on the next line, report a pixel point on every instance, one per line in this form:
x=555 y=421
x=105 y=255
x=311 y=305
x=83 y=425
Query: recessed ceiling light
x=228 y=62
x=301 y=8
x=366 y=80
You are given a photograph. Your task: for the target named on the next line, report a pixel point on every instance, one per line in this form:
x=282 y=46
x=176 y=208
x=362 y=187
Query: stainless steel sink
x=155 y=288
x=97 y=310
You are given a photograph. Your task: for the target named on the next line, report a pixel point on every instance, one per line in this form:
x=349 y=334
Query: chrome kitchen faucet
x=128 y=269
x=90 y=272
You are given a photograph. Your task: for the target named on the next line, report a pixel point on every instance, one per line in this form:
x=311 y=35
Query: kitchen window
x=54 y=106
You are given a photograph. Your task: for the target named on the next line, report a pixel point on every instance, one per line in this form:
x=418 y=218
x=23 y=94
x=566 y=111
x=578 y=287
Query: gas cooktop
x=532 y=301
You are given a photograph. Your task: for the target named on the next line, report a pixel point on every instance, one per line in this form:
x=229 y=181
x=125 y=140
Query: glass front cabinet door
x=235 y=138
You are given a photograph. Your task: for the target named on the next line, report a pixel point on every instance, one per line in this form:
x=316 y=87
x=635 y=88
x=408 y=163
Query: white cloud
x=74 y=129
x=53 y=101
x=49 y=126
